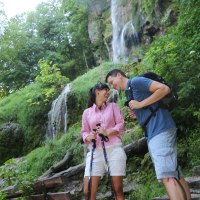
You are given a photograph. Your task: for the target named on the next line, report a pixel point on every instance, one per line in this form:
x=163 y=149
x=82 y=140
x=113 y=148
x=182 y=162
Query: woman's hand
x=91 y=136
x=132 y=114
x=100 y=130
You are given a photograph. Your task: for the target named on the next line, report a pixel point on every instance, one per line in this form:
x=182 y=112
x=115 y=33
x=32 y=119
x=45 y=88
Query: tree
x=3 y=18
x=12 y=71
x=56 y=32
x=77 y=27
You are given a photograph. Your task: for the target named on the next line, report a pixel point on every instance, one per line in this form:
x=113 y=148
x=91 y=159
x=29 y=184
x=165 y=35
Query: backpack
x=170 y=100
x=167 y=102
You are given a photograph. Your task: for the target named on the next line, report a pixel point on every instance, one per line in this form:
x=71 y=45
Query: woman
x=103 y=120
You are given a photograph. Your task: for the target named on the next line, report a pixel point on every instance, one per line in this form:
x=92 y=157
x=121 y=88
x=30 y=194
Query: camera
x=129 y=96
x=127 y=102
x=98 y=125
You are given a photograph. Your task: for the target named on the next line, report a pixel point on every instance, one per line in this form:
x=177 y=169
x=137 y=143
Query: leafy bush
x=29 y=106
x=41 y=159
x=12 y=176
x=176 y=57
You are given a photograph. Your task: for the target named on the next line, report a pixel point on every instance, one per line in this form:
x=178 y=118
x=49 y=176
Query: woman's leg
x=93 y=189
x=117 y=184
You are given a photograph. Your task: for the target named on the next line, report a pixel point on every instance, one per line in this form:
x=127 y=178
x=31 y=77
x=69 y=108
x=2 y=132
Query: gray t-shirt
x=138 y=88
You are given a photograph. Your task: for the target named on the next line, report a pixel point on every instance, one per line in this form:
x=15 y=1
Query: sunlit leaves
x=50 y=82
x=176 y=57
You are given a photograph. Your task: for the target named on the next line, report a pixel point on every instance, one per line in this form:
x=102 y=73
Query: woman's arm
x=119 y=126
x=86 y=133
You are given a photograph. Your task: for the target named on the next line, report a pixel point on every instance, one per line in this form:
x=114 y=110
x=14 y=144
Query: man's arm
x=158 y=91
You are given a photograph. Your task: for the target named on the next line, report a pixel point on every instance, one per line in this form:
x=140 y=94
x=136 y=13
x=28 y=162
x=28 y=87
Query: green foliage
x=3 y=196
x=50 y=81
x=13 y=176
x=134 y=133
x=38 y=99
x=175 y=56
x=79 y=50
x=27 y=107
x=41 y=159
x=148 y=188
x=18 y=59
x=140 y=171
x=52 y=33
x=148 y=6
x=188 y=147
x=2 y=92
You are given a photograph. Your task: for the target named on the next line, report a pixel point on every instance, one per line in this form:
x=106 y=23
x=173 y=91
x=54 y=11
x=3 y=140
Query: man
x=143 y=95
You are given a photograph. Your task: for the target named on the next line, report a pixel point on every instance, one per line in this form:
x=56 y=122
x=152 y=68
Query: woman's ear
x=96 y=91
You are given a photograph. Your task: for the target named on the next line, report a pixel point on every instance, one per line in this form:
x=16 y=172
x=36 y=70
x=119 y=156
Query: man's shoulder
x=139 y=78
x=140 y=83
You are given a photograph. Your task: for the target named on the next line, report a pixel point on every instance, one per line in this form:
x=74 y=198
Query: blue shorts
x=163 y=152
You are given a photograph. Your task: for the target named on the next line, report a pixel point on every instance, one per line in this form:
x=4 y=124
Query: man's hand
x=133 y=104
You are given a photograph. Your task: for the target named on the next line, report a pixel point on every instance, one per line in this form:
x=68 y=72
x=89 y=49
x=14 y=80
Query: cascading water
x=125 y=35
x=128 y=39
x=57 y=116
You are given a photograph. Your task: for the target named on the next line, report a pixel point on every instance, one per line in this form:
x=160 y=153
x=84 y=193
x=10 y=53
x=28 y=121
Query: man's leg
x=174 y=189
x=163 y=152
x=185 y=187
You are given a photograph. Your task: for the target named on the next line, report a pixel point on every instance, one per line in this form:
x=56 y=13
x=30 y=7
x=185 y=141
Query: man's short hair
x=114 y=72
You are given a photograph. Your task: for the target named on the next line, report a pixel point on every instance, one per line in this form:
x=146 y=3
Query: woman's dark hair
x=92 y=94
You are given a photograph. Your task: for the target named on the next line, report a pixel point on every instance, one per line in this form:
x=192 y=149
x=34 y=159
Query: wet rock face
x=11 y=141
x=116 y=27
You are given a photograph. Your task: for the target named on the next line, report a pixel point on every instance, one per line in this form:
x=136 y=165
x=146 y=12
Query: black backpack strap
x=130 y=97
x=153 y=114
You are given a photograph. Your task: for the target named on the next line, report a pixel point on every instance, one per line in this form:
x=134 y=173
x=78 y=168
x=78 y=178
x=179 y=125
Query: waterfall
x=57 y=116
x=114 y=96
x=116 y=31
x=125 y=35
x=129 y=38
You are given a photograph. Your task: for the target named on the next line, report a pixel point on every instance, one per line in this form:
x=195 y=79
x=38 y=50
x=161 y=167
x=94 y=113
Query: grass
x=41 y=159
x=139 y=169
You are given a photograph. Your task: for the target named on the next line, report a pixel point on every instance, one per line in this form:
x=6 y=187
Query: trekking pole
x=91 y=162
x=105 y=138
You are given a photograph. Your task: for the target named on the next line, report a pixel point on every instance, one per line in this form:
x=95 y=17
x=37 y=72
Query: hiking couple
x=103 y=125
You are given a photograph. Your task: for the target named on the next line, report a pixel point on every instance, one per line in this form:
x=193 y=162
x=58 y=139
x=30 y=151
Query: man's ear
x=119 y=75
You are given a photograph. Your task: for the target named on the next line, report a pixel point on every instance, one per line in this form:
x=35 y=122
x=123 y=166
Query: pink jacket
x=109 y=116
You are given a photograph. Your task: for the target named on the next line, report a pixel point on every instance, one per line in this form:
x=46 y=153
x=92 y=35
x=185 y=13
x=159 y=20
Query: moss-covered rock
x=11 y=141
